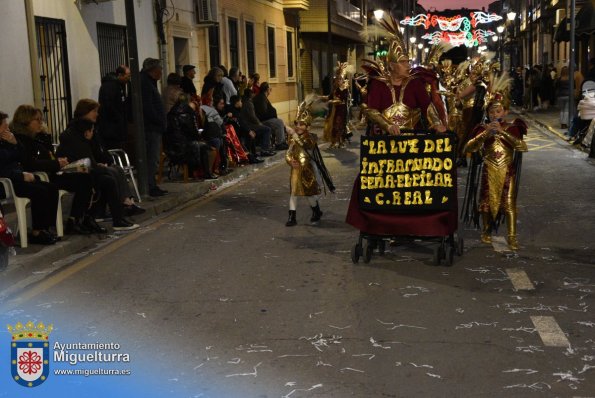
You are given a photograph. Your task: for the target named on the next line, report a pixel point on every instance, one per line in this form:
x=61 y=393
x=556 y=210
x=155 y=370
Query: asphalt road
x=222 y=300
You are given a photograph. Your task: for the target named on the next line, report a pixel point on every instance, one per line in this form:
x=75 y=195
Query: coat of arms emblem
x=29 y=352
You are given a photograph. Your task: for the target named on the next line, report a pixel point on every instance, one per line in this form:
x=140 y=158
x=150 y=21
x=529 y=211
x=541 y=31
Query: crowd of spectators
x=230 y=122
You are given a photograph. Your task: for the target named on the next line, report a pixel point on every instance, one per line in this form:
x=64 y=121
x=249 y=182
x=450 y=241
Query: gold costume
x=302 y=179
x=498 y=179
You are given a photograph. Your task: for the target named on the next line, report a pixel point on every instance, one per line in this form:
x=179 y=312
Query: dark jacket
x=187 y=86
x=112 y=123
x=10 y=165
x=248 y=117
x=182 y=129
x=153 y=109
x=74 y=146
x=211 y=85
x=263 y=108
x=37 y=153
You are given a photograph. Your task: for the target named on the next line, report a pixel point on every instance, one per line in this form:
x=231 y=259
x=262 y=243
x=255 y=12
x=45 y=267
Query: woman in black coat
x=43 y=195
x=37 y=154
x=76 y=142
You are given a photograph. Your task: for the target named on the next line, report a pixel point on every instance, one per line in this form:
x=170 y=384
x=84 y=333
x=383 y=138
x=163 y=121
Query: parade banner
x=407 y=173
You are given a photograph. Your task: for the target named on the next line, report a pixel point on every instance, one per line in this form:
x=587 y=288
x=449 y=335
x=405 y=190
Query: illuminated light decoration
x=457 y=30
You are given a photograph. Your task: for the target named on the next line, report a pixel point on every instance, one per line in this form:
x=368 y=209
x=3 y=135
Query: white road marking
x=519 y=279
x=499 y=244
x=550 y=332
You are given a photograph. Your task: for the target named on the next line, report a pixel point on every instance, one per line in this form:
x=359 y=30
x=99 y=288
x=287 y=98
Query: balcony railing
x=349 y=11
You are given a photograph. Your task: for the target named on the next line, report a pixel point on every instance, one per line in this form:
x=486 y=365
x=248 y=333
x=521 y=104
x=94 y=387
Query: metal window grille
x=271 y=49
x=250 y=55
x=234 y=51
x=290 y=54
x=52 y=56
x=112 y=46
x=214 y=56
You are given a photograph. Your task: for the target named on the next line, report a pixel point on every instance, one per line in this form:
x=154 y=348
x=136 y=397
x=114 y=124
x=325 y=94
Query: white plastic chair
x=20 y=205
x=59 y=218
x=121 y=159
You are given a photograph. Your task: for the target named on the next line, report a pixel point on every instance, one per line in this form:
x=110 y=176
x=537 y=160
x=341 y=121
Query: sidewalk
x=547 y=119
x=36 y=262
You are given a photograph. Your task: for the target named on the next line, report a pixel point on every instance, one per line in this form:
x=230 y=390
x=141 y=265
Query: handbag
x=6 y=236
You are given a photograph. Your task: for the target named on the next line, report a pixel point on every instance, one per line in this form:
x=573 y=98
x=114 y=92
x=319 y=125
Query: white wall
x=81 y=32
x=15 y=69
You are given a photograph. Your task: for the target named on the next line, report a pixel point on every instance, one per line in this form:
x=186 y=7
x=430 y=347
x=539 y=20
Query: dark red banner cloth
x=440 y=223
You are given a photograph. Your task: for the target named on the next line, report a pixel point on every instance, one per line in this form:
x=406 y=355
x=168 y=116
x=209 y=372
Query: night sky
x=454 y=4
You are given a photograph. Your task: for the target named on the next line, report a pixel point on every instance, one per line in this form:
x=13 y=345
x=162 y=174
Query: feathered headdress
x=433 y=58
x=498 y=92
x=397 y=50
x=310 y=106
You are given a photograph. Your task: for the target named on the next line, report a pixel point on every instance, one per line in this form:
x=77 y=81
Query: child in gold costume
x=308 y=172
x=497 y=142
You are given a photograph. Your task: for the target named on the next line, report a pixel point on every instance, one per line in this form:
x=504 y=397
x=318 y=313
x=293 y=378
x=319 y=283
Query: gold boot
x=486 y=231
x=513 y=244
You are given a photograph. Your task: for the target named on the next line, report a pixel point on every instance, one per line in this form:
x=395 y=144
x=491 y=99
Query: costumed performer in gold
x=308 y=172
x=497 y=142
x=335 y=126
x=399 y=97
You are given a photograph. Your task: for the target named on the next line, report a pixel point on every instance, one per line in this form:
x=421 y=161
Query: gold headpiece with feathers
x=397 y=50
x=433 y=58
x=498 y=92
x=310 y=106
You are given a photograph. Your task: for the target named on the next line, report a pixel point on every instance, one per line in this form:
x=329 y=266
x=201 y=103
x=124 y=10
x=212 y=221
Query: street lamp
x=412 y=39
x=494 y=38
x=378 y=14
x=500 y=29
x=511 y=15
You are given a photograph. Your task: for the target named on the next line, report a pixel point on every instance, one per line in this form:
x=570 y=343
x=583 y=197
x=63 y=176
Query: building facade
x=56 y=52
x=257 y=36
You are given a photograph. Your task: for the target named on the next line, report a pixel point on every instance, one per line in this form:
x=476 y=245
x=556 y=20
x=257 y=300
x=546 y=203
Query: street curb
x=32 y=268
x=542 y=124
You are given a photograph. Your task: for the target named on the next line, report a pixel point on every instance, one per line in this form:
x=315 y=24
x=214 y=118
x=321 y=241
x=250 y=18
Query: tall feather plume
x=436 y=51
x=398 y=48
x=372 y=32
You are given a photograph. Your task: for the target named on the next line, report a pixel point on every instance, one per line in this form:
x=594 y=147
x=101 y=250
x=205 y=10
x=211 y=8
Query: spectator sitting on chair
x=250 y=121
x=255 y=79
x=214 y=132
x=37 y=154
x=113 y=123
x=183 y=142
x=212 y=84
x=229 y=84
x=76 y=142
x=172 y=91
x=89 y=109
x=267 y=114
x=247 y=137
x=43 y=195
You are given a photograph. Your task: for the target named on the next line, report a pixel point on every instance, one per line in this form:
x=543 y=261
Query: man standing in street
x=113 y=122
x=154 y=118
x=187 y=83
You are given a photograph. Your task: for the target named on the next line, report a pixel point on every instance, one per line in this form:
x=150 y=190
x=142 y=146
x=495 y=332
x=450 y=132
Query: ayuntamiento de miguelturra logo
x=29 y=353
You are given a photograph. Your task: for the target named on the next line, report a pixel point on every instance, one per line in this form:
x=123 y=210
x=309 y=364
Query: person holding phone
x=497 y=141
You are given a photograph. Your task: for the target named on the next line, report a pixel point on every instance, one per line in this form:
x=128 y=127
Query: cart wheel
x=356 y=251
x=381 y=247
x=449 y=256
x=437 y=255
x=460 y=245
x=368 y=253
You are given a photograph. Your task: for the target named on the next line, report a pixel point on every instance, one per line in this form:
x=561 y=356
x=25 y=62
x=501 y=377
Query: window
x=234 y=50
x=214 y=56
x=112 y=46
x=290 y=71
x=271 y=50
x=250 y=57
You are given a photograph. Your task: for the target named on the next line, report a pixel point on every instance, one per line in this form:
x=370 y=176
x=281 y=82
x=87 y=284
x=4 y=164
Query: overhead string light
x=457 y=30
